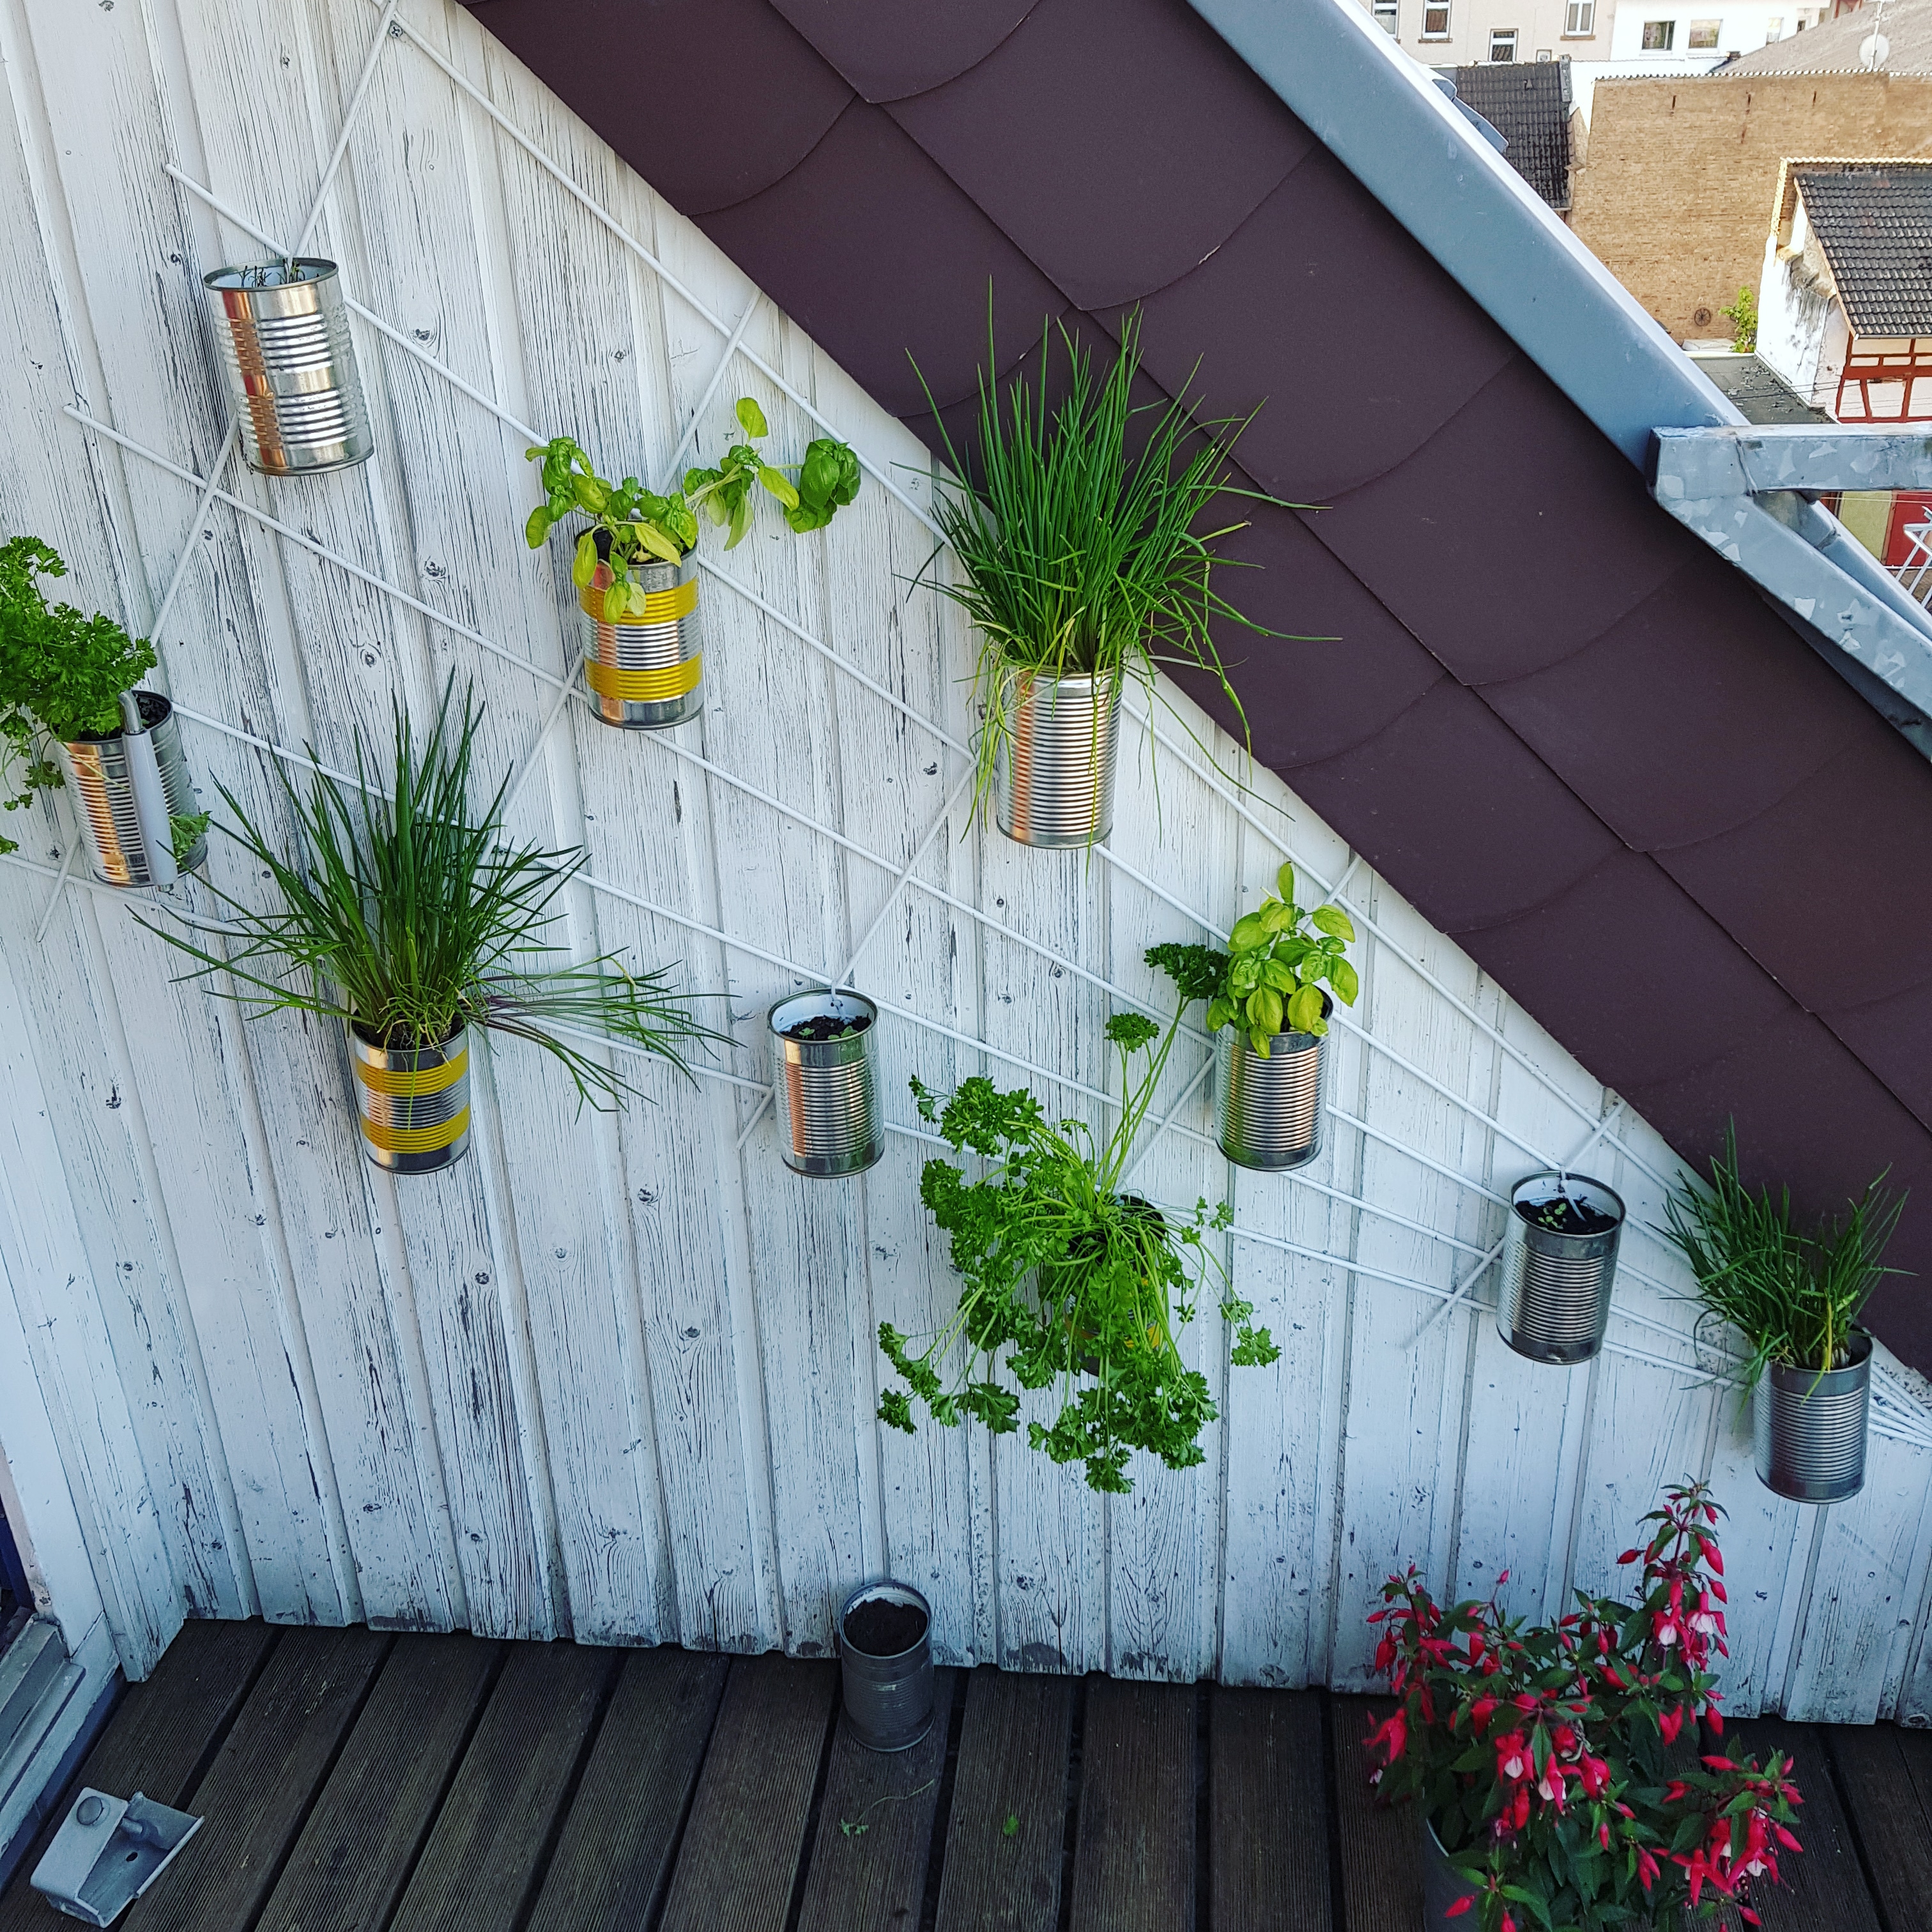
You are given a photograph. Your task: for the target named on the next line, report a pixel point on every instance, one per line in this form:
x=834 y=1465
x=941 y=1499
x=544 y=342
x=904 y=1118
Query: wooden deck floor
x=352 y=1781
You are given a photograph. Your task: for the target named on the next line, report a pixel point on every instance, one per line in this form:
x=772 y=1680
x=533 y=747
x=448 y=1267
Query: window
x=1659 y=36
x=1502 y=43
x=1436 y=20
x=1386 y=14
x=1579 y=18
x=1774 y=29
x=1704 y=36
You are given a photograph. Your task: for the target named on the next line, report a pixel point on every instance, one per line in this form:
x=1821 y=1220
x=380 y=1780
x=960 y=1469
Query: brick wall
x=1675 y=188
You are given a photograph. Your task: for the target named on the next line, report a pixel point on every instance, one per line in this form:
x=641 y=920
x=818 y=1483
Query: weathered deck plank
x=1268 y=1800
x=614 y=1856
x=1824 y=1889
x=868 y=1860
x=747 y=1828
x=1886 y=1774
x=1133 y=1862
x=481 y=1862
x=361 y=1841
x=1012 y=1766
x=1381 y=1890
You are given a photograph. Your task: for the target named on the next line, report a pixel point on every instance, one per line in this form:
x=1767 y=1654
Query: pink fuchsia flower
x=1595 y=1773
x=1670 y=1722
x=1461 y=1906
x=1512 y=1757
x=1481 y=1712
x=1392 y=1735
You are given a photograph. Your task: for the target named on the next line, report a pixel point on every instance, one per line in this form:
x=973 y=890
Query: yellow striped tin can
x=413 y=1103
x=645 y=672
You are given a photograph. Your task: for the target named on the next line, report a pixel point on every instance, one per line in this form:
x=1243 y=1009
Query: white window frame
x=1669 y=41
x=1691 y=43
x=1387 y=15
x=1579 y=20
x=1431 y=9
x=1503 y=37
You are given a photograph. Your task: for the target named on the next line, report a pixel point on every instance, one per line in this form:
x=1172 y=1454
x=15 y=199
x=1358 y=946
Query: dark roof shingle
x=1528 y=102
x=1873 y=220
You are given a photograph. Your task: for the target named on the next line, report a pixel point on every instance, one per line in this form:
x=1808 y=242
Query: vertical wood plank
x=1268 y=1799
x=1133 y=1862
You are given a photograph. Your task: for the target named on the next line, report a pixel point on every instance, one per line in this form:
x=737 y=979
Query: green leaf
x=1277 y=917
x=1280 y=976
x=1264 y=1009
x=615 y=598
x=1220 y=1011
x=751 y=417
x=779 y=484
x=659 y=545
x=583 y=564
x=1332 y=920
x=1304 y=1011
x=538 y=526
x=741 y=522
x=1343 y=977
x=591 y=492
x=1249 y=932
x=1284 y=882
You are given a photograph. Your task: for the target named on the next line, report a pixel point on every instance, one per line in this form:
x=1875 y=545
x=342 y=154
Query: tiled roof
x=1832 y=47
x=1873 y=220
x=1528 y=102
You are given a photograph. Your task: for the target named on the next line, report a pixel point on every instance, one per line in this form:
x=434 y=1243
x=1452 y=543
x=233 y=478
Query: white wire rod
x=349 y=115
x=228 y=443
x=60 y=882
x=1215 y=783
x=1167 y=1120
x=699 y=307
x=898 y=885
x=534 y=756
x=733 y=344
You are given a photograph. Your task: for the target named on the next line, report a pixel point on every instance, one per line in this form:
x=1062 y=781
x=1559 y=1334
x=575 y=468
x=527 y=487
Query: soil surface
x=1562 y=1215
x=824 y=1027
x=880 y=1628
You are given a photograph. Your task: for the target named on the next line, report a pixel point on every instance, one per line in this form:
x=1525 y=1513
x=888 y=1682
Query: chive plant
x=1079 y=532
x=408 y=917
x=1794 y=1296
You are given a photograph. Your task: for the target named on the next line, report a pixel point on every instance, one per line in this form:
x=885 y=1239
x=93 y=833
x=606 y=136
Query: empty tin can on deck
x=646 y=671
x=1059 y=745
x=1810 y=1428
x=1555 y=1298
x=888 y=1700
x=1269 y=1111
x=292 y=370
x=414 y=1102
x=828 y=1090
x=96 y=771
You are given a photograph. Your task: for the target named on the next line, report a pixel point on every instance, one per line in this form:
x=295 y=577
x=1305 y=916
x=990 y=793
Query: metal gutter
x=1381 y=114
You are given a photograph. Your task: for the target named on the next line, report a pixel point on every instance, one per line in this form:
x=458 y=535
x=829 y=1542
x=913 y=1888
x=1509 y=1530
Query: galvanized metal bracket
x=1748 y=492
x=107 y=1851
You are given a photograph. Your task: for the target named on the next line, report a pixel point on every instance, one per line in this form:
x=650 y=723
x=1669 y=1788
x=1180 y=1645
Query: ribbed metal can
x=96 y=771
x=1057 y=753
x=645 y=673
x=414 y=1102
x=1270 y=1110
x=888 y=1700
x=292 y=368
x=1441 y=1887
x=828 y=1089
x=1556 y=1299
x=1810 y=1429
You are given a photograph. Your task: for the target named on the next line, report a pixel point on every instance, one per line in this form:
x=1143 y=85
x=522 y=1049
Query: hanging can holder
x=645 y=672
x=888 y=1699
x=292 y=370
x=1058 y=752
x=129 y=787
x=828 y=1088
x=1441 y=1886
x=1810 y=1429
x=1269 y=1111
x=413 y=1101
x=1559 y=1262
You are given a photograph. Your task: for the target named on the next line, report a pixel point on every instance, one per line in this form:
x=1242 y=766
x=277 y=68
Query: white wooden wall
x=615 y=1379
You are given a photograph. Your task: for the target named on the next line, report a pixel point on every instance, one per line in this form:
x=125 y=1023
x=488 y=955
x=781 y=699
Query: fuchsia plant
x=1553 y=1761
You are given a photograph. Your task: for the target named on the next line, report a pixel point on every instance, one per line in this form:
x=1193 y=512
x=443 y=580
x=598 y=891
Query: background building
x=1462 y=33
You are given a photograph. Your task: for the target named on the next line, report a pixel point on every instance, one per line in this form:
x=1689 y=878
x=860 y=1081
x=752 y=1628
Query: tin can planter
x=822 y=1056
x=1268 y=1111
x=1058 y=754
x=1810 y=1429
x=292 y=370
x=414 y=1102
x=1441 y=1887
x=1559 y=1259
x=98 y=771
x=885 y=1666
x=646 y=672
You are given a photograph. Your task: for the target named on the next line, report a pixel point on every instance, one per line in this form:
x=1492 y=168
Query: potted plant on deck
x=1553 y=1765
x=1077 y=530
x=410 y=920
x=1796 y=1299
x=68 y=684
x=1082 y=1287
x=634 y=564
x=1269 y=996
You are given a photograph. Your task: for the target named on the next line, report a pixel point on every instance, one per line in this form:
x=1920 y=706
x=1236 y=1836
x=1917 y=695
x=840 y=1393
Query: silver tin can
x=1057 y=754
x=888 y=1700
x=96 y=771
x=1441 y=1886
x=645 y=673
x=292 y=369
x=1555 y=1298
x=1269 y=1111
x=828 y=1098
x=413 y=1101
x=1810 y=1429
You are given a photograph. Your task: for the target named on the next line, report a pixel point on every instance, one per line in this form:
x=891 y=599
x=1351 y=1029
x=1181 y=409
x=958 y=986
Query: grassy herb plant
x=1795 y=1296
x=1083 y=1289
x=631 y=527
x=62 y=674
x=1270 y=980
x=407 y=916
x=1079 y=531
